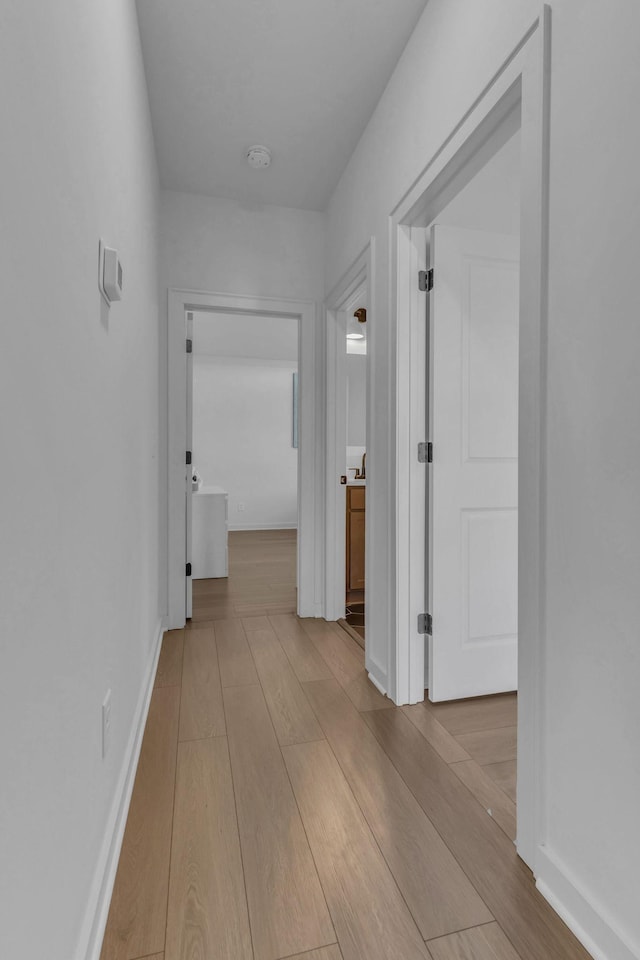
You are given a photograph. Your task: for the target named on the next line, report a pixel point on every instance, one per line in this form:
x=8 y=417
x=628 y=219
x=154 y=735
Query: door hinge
x=425 y=452
x=188 y=570
x=425 y=280
x=189 y=346
x=188 y=457
x=425 y=624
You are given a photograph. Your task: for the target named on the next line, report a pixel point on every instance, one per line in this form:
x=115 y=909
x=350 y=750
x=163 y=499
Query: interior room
x=473 y=247
x=244 y=469
x=244 y=416
x=356 y=471
x=242 y=779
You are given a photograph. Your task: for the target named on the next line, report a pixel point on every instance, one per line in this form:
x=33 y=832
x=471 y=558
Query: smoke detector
x=259 y=156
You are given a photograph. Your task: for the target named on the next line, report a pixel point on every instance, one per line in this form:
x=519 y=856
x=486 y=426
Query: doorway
x=348 y=399
x=355 y=476
x=242 y=401
x=516 y=99
x=472 y=417
x=310 y=521
x=471 y=390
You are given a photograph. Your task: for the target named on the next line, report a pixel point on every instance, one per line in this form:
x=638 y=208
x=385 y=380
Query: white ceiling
x=301 y=76
x=244 y=336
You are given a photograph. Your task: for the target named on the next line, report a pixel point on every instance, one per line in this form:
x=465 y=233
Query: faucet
x=361 y=474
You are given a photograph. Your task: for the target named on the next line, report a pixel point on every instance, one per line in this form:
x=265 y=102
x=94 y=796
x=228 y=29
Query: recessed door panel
x=490 y=359
x=490 y=576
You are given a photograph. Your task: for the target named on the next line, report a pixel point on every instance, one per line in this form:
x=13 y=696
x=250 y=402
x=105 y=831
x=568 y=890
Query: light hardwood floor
x=283 y=808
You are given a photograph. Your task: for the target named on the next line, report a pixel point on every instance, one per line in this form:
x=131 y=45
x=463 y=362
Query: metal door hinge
x=188 y=457
x=425 y=280
x=425 y=452
x=188 y=570
x=425 y=624
x=189 y=346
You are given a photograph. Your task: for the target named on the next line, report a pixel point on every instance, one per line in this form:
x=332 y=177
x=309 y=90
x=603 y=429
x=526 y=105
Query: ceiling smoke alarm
x=259 y=156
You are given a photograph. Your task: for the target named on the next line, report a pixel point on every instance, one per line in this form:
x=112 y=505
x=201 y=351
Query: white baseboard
x=97 y=910
x=587 y=919
x=263 y=526
x=310 y=611
x=377 y=684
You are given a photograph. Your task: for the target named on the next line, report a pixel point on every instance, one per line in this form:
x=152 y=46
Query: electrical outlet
x=240 y=508
x=106 y=723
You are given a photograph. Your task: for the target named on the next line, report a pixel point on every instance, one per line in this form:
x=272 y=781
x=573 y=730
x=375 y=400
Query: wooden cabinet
x=356 y=501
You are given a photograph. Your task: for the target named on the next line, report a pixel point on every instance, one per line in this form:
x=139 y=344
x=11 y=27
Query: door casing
x=310 y=405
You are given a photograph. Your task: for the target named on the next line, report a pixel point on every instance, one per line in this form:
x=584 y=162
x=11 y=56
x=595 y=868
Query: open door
x=189 y=468
x=473 y=486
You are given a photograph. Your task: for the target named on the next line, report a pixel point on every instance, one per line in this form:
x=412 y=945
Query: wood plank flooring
x=207 y=914
x=286 y=903
x=201 y=710
x=137 y=917
x=479 y=943
x=436 y=890
x=284 y=808
x=477 y=738
x=369 y=913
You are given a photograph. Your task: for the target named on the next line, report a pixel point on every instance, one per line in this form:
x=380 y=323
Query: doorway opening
x=310 y=521
x=471 y=374
x=242 y=395
x=472 y=425
x=355 y=476
x=348 y=399
x=516 y=102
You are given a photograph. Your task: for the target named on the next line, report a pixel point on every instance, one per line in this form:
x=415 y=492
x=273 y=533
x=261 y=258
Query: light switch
x=109 y=273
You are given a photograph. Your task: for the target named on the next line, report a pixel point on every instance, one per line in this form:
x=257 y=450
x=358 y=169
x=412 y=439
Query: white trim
x=410 y=506
x=310 y=504
x=245 y=361
x=517 y=95
x=377 y=685
x=587 y=919
x=262 y=526
x=97 y=910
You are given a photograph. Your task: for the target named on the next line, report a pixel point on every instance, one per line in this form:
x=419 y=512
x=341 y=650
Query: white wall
x=242 y=435
x=224 y=246
x=356 y=399
x=592 y=566
x=79 y=426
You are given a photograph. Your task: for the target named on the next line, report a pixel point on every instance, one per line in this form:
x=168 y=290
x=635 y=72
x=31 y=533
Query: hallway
x=284 y=808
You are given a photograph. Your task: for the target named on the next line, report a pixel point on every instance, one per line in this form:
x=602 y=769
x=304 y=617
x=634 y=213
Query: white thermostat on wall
x=109 y=273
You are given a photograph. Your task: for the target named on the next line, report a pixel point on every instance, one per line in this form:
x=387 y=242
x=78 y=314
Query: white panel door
x=473 y=487
x=188 y=492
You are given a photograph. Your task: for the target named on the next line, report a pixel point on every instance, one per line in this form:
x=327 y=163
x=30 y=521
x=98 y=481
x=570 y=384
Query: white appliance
x=209 y=524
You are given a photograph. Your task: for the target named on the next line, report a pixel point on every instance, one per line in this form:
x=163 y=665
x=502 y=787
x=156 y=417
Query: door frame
x=188 y=314
x=355 y=283
x=518 y=95
x=310 y=506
